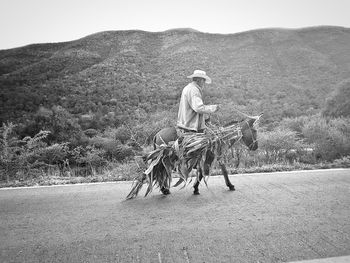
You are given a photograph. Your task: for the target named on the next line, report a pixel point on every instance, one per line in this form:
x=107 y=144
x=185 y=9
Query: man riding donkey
x=191 y=144
x=192 y=109
x=191 y=112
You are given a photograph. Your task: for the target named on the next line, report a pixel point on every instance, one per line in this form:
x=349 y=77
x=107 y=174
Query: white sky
x=25 y=22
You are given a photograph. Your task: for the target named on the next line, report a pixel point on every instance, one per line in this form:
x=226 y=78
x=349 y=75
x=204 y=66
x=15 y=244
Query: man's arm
x=197 y=104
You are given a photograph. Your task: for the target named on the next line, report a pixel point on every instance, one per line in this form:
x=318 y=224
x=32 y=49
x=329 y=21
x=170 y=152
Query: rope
x=242 y=113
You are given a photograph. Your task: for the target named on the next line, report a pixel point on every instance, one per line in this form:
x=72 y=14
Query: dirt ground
x=277 y=217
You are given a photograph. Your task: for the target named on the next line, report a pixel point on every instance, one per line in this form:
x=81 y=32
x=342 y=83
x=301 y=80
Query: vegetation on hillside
x=337 y=103
x=284 y=73
x=91 y=105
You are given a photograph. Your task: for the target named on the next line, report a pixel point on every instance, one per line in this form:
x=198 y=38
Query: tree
x=9 y=146
x=62 y=125
x=337 y=105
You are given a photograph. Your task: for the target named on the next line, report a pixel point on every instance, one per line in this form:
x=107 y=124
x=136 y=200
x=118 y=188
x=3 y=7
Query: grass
x=128 y=170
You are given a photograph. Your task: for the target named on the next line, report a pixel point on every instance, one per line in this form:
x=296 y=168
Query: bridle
x=250 y=128
x=255 y=124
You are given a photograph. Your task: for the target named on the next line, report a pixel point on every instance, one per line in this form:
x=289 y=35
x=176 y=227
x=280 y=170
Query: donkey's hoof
x=165 y=191
x=196 y=192
x=231 y=187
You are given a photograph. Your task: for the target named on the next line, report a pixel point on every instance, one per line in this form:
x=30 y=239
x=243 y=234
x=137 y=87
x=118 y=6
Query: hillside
x=123 y=75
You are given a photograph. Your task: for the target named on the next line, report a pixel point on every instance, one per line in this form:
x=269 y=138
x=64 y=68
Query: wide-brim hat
x=200 y=74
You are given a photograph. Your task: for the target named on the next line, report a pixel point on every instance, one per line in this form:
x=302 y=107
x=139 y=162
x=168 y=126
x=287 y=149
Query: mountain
x=282 y=72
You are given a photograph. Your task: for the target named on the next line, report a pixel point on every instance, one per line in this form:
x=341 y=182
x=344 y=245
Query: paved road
x=277 y=217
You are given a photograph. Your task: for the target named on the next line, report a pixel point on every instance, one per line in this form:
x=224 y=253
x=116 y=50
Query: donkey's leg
x=208 y=161
x=165 y=190
x=195 y=186
x=166 y=174
x=227 y=180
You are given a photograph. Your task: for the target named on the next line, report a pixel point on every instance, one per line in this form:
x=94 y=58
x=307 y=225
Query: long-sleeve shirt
x=192 y=109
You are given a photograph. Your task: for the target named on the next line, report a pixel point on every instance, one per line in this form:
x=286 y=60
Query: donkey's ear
x=257 y=120
x=258 y=116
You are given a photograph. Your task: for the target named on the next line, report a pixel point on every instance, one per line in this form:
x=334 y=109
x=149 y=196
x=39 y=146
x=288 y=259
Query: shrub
x=330 y=137
x=54 y=154
x=343 y=162
x=28 y=158
x=122 y=134
x=90 y=132
x=277 y=144
x=89 y=157
x=113 y=150
x=9 y=147
x=294 y=124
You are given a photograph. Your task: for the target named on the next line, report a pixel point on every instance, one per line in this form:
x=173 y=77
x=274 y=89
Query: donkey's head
x=249 y=132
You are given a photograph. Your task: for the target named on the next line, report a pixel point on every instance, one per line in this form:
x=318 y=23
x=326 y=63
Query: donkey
x=248 y=128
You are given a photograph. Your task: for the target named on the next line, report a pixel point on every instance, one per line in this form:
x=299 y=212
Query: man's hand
x=207 y=120
x=216 y=108
x=212 y=108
